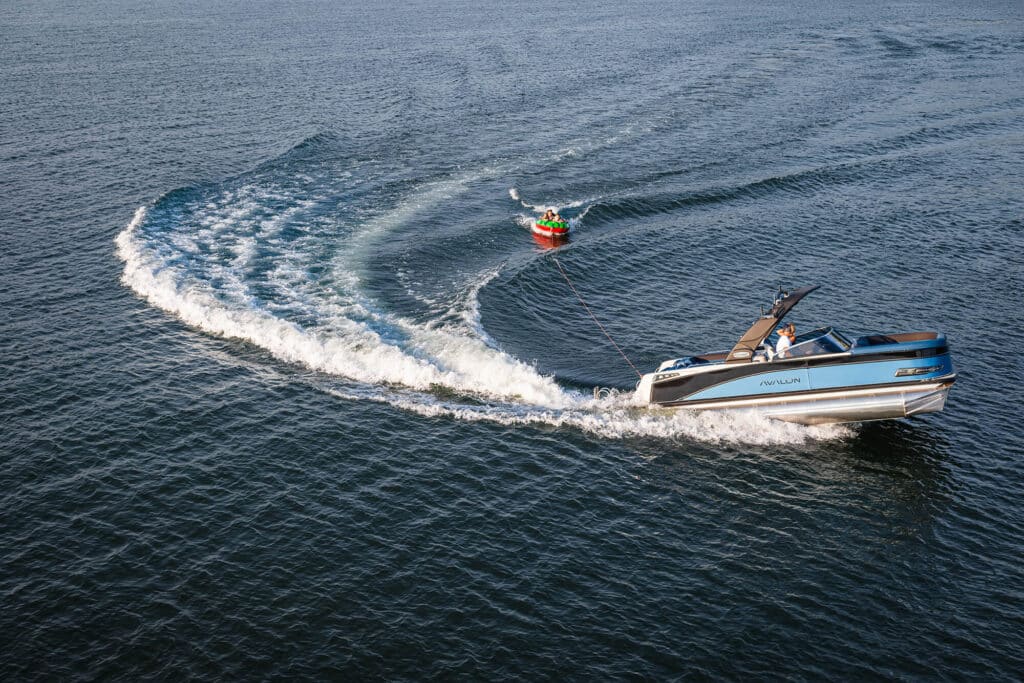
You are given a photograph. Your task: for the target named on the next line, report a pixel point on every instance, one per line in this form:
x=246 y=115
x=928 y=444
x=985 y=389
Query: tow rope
x=585 y=306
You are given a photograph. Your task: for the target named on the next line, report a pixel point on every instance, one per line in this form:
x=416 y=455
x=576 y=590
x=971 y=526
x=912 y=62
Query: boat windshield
x=821 y=340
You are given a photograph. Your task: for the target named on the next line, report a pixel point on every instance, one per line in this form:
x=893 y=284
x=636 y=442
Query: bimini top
x=743 y=352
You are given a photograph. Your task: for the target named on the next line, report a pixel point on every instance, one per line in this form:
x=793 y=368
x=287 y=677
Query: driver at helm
x=787 y=335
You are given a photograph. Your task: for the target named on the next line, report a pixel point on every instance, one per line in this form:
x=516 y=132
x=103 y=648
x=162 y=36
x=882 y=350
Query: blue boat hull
x=817 y=377
x=880 y=383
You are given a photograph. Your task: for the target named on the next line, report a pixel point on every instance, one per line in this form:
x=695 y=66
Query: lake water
x=289 y=390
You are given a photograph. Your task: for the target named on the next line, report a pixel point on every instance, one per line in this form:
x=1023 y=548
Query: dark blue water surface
x=289 y=390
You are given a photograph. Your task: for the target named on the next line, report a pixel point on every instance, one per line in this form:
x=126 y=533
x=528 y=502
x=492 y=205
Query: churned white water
x=223 y=269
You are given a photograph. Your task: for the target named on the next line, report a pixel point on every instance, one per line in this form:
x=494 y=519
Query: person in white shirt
x=786 y=334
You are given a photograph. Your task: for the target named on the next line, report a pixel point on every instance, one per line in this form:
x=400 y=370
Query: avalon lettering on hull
x=777 y=382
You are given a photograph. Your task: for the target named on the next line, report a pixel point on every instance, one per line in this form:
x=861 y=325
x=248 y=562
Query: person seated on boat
x=787 y=333
x=558 y=219
x=549 y=215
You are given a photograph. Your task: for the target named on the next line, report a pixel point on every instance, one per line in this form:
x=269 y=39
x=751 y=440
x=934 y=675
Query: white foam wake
x=616 y=419
x=424 y=358
x=204 y=275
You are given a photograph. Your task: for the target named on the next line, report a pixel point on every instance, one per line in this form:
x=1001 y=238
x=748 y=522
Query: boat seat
x=874 y=340
x=687 y=362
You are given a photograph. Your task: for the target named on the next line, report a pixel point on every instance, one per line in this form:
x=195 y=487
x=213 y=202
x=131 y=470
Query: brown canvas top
x=743 y=352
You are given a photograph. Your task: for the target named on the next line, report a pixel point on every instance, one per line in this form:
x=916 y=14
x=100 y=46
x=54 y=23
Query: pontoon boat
x=825 y=376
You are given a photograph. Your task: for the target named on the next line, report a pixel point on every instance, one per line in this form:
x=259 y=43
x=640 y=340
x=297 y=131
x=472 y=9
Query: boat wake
x=281 y=266
x=355 y=341
x=618 y=418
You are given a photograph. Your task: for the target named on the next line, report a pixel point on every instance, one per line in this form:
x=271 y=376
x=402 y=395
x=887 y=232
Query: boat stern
x=643 y=389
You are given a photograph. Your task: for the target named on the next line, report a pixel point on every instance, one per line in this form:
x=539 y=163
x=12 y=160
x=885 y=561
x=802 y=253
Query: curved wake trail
x=349 y=347
x=248 y=262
